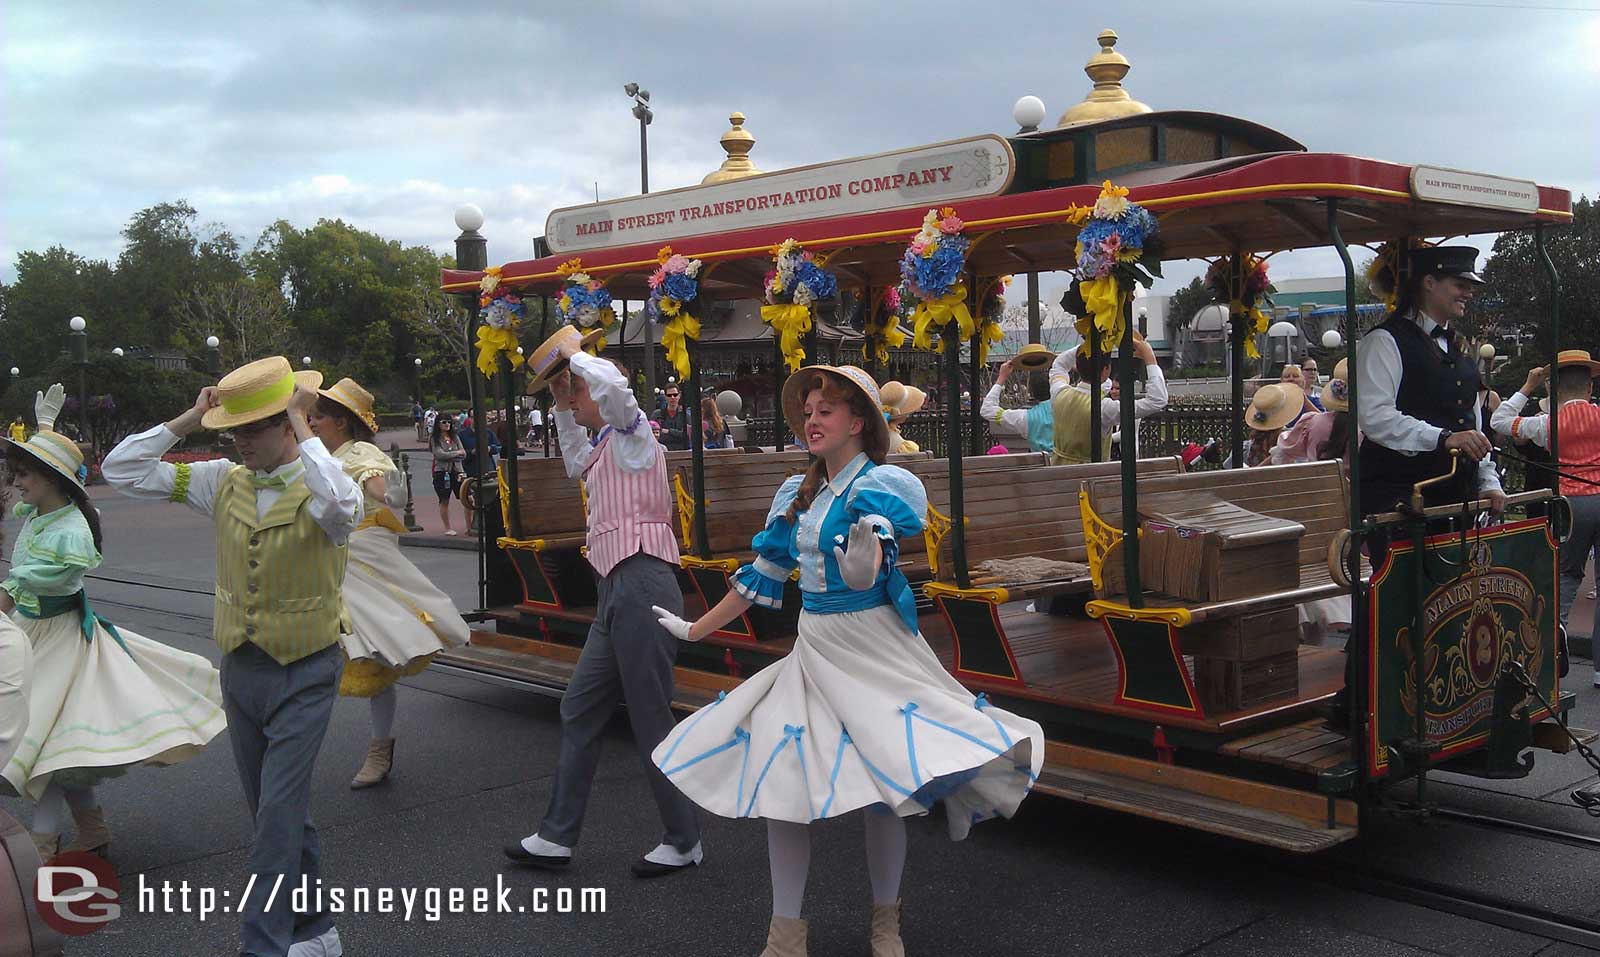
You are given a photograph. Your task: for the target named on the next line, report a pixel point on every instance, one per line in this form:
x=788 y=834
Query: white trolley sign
x=1461 y=188
x=924 y=176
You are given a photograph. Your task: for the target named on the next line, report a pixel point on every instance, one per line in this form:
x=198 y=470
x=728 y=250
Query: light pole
x=1028 y=112
x=80 y=354
x=641 y=110
x=214 y=355
x=305 y=361
x=472 y=253
x=416 y=365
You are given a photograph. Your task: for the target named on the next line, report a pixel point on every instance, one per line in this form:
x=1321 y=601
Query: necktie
x=1445 y=333
x=260 y=481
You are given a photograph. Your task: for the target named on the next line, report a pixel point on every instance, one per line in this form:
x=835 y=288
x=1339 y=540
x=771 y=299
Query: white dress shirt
x=632 y=442
x=1529 y=428
x=135 y=468
x=1379 y=368
x=1153 y=400
x=1014 y=421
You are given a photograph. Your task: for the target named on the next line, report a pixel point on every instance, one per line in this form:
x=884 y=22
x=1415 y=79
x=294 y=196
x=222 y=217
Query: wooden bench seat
x=548 y=555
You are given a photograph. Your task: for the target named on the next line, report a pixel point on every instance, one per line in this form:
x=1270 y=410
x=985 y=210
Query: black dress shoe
x=648 y=868
x=549 y=862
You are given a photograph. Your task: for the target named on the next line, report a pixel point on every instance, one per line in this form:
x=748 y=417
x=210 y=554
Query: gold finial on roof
x=1108 y=100
x=738 y=143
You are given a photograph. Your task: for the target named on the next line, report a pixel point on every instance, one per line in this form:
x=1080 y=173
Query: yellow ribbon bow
x=493 y=342
x=889 y=336
x=675 y=337
x=790 y=322
x=1255 y=321
x=934 y=314
x=992 y=334
x=1104 y=299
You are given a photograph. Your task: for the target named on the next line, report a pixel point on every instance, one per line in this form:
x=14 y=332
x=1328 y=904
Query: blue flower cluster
x=680 y=286
x=932 y=276
x=818 y=280
x=578 y=298
x=1130 y=230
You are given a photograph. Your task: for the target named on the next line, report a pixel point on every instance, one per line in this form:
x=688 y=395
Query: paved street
x=473 y=771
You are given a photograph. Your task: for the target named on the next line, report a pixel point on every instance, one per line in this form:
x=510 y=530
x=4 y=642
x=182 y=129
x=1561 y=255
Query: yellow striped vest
x=278 y=578
x=1071 y=410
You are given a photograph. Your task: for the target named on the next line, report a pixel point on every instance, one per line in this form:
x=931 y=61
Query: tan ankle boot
x=786 y=937
x=380 y=758
x=886 y=931
x=48 y=845
x=94 y=834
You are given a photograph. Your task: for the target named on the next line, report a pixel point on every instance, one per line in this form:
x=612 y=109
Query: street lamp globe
x=305 y=361
x=77 y=324
x=1028 y=113
x=212 y=342
x=417 y=362
x=1331 y=339
x=15 y=371
x=469 y=218
x=117 y=352
x=1486 y=351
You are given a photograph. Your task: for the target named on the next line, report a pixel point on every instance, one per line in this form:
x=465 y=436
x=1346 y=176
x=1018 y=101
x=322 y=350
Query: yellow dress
x=399 y=619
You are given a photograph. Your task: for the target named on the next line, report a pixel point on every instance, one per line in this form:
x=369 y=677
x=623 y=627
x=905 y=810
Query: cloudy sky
x=391 y=114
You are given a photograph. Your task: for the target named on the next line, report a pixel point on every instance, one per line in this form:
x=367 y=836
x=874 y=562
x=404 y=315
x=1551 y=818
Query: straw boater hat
x=47 y=446
x=1577 y=357
x=1274 y=406
x=901 y=401
x=348 y=393
x=255 y=391
x=1336 y=396
x=876 y=432
x=550 y=358
x=1034 y=356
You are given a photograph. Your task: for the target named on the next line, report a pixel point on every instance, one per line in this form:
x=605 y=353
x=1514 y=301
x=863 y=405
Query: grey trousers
x=277 y=718
x=627 y=657
x=1575 y=554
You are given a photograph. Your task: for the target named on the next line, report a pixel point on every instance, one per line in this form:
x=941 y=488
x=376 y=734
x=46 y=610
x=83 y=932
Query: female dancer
x=101 y=699
x=860 y=714
x=399 y=619
x=448 y=454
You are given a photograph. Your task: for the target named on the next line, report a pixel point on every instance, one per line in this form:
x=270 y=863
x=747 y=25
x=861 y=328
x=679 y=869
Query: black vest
x=1440 y=388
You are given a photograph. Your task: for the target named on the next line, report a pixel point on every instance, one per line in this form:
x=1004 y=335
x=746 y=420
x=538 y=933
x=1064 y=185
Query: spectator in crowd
x=416 y=420
x=448 y=453
x=469 y=441
x=712 y=426
x=674 y=420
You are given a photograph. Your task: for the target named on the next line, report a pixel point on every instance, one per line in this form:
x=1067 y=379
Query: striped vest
x=279 y=578
x=1579 y=434
x=1071 y=410
x=629 y=512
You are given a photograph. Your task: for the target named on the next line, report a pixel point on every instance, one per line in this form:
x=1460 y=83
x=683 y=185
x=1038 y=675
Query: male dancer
x=282 y=520
x=627 y=655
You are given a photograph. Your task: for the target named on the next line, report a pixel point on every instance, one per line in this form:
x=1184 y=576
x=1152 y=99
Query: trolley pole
x=1356 y=691
x=958 y=505
x=1095 y=427
x=472 y=253
x=1130 y=465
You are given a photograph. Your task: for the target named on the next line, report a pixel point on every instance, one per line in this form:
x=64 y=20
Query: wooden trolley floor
x=1063 y=661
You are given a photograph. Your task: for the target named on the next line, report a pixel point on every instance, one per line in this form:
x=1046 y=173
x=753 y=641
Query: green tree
x=1184 y=304
x=1513 y=308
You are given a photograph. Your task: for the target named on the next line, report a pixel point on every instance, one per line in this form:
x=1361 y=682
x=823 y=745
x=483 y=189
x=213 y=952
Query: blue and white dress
x=860 y=712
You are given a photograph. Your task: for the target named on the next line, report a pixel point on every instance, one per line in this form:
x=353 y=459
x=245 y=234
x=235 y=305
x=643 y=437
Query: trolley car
x=1205 y=711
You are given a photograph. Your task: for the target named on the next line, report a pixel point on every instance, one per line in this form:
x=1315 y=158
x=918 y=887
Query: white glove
x=675 y=626
x=859 y=566
x=394 y=491
x=47 y=406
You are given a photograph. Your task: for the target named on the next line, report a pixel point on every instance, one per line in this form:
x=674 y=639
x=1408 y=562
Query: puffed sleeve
x=892 y=498
x=53 y=563
x=762 y=580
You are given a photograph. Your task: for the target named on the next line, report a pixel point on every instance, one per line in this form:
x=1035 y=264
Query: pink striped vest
x=629 y=512
x=1580 y=445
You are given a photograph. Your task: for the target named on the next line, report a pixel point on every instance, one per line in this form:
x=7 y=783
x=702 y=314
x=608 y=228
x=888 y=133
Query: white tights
x=57 y=805
x=789 y=855
x=382 y=707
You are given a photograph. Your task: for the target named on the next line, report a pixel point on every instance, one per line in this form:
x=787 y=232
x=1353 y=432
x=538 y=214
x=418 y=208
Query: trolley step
x=1284 y=818
x=546 y=668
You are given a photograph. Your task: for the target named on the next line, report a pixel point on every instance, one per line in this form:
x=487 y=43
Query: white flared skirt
x=399 y=619
x=859 y=713
x=95 y=709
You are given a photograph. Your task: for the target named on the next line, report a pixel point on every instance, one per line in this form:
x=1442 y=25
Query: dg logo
x=77 y=893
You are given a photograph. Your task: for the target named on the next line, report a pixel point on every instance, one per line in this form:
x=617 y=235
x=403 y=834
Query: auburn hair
x=874 y=441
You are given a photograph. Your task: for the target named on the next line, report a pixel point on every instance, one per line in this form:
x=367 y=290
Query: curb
x=463 y=543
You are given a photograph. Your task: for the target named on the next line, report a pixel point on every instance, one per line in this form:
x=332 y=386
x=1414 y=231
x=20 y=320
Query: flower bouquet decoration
x=1384 y=272
x=930 y=273
x=1243 y=285
x=672 y=286
x=1118 y=248
x=796 y=280
x=501 y=311
x=990 y=308
x=882 y=327
x=584 y=302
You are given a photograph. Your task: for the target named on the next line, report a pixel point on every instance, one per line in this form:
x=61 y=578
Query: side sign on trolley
x=1481 y=610
x=1458 y=187
x=925 y=176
